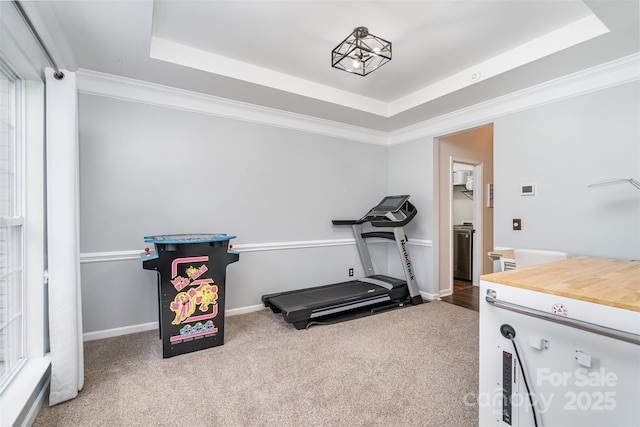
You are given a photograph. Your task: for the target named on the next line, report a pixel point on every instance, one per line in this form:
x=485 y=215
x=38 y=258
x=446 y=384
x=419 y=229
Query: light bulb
x=356 y=64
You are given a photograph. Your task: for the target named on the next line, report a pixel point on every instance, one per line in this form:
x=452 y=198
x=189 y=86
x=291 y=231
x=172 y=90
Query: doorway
x=465 y=219
x=462 y=212
x=464 y=178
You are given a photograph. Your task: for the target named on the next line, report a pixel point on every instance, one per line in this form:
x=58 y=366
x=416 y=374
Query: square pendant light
x=361 y=53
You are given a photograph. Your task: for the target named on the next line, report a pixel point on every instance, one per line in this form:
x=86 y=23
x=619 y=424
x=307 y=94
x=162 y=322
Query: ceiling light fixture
x=361 y=53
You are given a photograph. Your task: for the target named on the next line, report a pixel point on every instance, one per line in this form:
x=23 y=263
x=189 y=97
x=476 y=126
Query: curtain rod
x=58 y=74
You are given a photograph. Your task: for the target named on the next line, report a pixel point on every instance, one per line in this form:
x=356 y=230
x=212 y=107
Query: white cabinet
x=575 y=377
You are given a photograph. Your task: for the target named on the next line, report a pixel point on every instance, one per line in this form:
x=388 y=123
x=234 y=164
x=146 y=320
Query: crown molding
x=112 y=86
x=617 y=72
x=614 y=73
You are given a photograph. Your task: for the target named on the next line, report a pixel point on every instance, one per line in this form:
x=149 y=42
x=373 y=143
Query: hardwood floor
x=465 y=295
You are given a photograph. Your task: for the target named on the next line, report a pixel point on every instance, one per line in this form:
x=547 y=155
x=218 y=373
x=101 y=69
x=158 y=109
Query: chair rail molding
x=126 y=255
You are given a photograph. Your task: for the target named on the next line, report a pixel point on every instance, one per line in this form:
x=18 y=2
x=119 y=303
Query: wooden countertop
x=507 y=253
x=603 y=281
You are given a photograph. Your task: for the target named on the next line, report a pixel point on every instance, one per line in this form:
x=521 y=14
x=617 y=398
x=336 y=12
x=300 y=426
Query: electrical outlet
x=351 y=272
x=517 y=224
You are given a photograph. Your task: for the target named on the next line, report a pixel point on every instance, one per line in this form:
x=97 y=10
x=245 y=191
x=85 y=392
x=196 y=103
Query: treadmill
x=368 y=295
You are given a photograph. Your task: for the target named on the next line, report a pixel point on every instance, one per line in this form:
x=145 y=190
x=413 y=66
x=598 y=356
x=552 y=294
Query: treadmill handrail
x=379 y=234
x=347 y=221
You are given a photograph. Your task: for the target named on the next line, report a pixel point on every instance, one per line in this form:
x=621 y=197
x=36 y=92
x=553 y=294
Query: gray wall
x=562 y=148
x=148 y=170
x=411 y=172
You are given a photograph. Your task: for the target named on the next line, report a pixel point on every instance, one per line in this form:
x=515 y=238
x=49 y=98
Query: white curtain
x=65 y=306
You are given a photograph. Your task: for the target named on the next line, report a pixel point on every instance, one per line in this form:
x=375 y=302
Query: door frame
x=471 y=146
x=477 y=219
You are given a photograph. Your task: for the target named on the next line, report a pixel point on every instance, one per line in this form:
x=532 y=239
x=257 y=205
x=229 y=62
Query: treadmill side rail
x=374 y=281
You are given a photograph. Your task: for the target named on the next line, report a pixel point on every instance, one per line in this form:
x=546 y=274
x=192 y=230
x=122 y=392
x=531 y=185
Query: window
x=12 y=346
x=24 y=365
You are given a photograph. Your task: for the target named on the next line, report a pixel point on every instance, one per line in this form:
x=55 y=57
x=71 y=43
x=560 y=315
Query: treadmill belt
x=327 y=295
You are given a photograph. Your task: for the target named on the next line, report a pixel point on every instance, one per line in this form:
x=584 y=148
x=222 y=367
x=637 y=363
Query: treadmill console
x=389 y=204
x=392 y=211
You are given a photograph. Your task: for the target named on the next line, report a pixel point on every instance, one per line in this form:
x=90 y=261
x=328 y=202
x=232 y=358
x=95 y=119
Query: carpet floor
x=416 y=366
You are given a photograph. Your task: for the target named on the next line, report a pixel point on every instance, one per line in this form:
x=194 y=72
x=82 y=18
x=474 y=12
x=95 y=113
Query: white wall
x=562 y=148
x=462 y=202
x=462 y=205
x=150 y=170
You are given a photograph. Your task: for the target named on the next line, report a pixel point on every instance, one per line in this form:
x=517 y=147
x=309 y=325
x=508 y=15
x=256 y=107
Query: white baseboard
x=430 y=296
x=126 y=330
x=116 y=332
x=109 y=333
x=244 y=310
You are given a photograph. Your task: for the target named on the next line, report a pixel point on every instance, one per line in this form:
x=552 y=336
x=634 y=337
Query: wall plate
x=528 y=190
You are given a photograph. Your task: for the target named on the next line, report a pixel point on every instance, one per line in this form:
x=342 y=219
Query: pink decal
x=203 y=294
x=201 y=281
x=180 y=337
x=183 y=307
x=174 y=264
x=185 y=303
x=180 y=283
x=204 y=316
x=207 y=294
x=194 y=273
